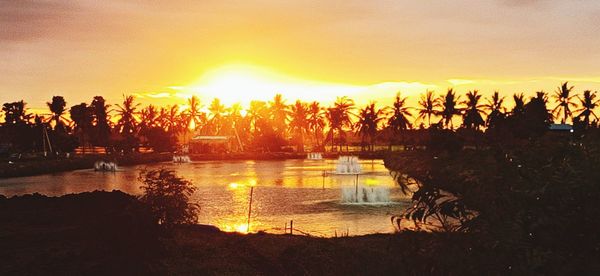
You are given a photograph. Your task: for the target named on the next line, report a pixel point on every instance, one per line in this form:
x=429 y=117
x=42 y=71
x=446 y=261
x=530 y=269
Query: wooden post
x=356 y=185
x=291 y=227
x=249 y=209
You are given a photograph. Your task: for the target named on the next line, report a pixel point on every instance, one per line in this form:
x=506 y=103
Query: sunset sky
x=312 y=50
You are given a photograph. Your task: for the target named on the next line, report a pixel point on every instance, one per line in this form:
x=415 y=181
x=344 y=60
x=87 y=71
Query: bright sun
x=243 y=83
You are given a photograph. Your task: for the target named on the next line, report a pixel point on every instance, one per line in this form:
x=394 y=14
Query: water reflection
x=283 y=191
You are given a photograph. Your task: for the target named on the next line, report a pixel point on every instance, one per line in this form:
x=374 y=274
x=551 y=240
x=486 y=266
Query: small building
x=211 y=144
x=564 y=128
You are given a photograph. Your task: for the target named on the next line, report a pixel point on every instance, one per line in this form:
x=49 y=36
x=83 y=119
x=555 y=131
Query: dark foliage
x=168 y=197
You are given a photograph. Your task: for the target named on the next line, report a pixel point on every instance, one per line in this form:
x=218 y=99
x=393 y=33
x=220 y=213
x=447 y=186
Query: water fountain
x=314 y=156
x=347 y=165
x=360 y=193
x=105 y=166
x=181 y=159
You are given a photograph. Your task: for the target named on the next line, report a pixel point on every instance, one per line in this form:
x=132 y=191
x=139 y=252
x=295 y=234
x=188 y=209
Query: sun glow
x=244 y=83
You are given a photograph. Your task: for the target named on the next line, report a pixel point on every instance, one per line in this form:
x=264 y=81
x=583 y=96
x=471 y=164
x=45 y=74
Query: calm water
x=283 y=191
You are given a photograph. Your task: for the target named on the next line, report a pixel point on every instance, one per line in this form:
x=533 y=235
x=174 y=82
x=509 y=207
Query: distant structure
x=565 y=128
x=212 y=144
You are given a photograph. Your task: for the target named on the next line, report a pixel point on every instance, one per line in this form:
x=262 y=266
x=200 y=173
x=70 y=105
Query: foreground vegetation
x=112 y=233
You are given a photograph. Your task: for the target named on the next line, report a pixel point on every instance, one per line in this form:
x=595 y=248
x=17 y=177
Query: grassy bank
x=111 y=233
x=38 y=166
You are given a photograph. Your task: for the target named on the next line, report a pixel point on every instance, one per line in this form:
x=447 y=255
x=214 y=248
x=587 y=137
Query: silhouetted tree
x=101 y=133
x=369 y=119
x=399 y=119
x=472 y=116
x=588 y=103
x=299 y=123
x=82 y=118
x=168 y=197
x=564 y=101
x=495 y=108
x=339 y=117
x=449 y=108
x=316 y=122
x=57 y=108
x=428 y=106
x=279 y=114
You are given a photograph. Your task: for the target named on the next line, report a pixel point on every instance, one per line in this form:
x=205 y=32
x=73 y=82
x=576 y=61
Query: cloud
x=30 y=19
x=159 y=95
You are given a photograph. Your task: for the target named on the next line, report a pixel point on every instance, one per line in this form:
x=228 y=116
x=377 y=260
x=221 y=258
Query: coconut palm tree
x=15 y=113
x=57 y=107
x=495 y=108
x=588 y=103
x=399 y=121
x=519 y=100
x=82 y=118
x=195 y=117
x=127 y=113
x=316 y=122
x=257 y=112
x=299 y=122
x=279 y=114
x=173 y=122
x=428 y=106
x=101 y=131
x=472 y=117
x=339 y=117
x=217 y=111
x=564 y=101
x=449 y=109
x=149 y=117
x=369 y=119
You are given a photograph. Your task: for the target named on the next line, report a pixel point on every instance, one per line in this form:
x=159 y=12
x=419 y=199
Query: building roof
x=561 y=127
x=210 y=138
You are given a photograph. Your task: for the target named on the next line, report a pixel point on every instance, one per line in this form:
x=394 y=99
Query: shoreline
x=112 y=233
x=49 y=166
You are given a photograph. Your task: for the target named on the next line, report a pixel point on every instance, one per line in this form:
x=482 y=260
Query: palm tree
x=174 y=123
x=279 y=114
x=428 y=105
x=299 y=122
x=564 y=102
x=495 y=108
x=101 y=119
x=217 y=110
x=57 y=107
x=127 y=112
x=519 y=100
x=449 y=110
x=316 y=122
x=339 y=117
x=368 y=122
x=195 y=117
x=257 y=112
x=149 y=117
x=399 y=121
x=588 y=104
x=82 y=118
x=472 y=117
x=15 y=113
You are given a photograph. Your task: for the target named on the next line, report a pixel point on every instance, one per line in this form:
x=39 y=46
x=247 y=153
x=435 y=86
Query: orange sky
x=313 y=50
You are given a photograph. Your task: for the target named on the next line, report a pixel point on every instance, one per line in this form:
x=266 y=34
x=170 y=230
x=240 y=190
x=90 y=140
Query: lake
x=320 y=202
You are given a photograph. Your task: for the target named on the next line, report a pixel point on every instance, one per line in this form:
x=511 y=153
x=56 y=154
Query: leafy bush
x=168 y=197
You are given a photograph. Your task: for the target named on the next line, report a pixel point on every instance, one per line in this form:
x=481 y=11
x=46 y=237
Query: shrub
x=168 y=197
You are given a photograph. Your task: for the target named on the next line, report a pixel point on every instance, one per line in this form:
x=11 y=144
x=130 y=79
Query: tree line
x=272 y=125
